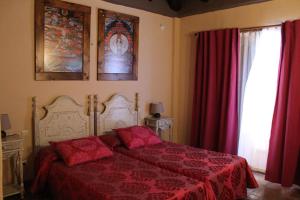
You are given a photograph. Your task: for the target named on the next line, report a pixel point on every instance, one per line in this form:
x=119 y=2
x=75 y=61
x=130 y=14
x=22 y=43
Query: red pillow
x=81 y=150
x=111 y=140
x=137 y=136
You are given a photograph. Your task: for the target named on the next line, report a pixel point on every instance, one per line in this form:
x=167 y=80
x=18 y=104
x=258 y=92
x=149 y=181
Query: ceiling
x=188 y=7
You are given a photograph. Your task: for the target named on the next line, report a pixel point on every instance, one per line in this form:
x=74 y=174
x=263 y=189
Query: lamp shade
x=156 y=108
x=5 y=123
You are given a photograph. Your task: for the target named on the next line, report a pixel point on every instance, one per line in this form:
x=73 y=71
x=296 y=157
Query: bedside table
x=12 y=148
x=160 y=124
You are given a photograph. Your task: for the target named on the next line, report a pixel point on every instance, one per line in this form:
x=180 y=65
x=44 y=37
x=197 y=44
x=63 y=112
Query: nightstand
x=12 y=149
x=160 y=124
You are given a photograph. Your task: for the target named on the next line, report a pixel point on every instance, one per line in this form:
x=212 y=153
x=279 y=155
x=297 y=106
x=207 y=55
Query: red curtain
x=283 y=159
x=215 y=115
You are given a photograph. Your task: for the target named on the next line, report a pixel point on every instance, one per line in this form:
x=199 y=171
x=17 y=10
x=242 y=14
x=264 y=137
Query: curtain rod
x=256 y=28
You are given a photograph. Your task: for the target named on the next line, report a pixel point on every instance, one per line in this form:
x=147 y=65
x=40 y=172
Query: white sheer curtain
x=247 y=53
x=259 y=98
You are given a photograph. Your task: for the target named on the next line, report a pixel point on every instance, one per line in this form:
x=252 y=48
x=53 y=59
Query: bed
x=116 y=177
x=228 y=175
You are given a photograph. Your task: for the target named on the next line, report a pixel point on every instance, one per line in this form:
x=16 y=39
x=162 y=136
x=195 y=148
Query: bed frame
x=118 y=112
x=64 y=119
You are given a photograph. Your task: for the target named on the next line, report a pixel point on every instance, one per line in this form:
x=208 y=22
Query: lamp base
x=3 y=134
x=156 y=115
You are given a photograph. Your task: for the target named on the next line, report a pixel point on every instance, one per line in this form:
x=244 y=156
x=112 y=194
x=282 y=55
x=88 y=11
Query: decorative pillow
x=81 y=150
x=111 y=139
x=137 y=136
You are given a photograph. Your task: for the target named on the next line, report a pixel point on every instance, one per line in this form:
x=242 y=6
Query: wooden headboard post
x=137 y=107
x=91 y=114
x=35 y=124
x=95 y=114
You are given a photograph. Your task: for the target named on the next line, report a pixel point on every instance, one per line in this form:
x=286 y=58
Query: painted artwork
x=63 y=40
x=117 y=48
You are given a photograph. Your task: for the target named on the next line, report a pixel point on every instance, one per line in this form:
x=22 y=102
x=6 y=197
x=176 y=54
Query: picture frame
x=62 y=40
x=118 y=37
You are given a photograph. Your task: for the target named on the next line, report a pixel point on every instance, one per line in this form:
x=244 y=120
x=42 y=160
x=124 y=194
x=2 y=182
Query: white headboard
x=119 y=112
x=64 y=119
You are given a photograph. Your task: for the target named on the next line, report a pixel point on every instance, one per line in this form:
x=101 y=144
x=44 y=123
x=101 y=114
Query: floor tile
x=272 y=191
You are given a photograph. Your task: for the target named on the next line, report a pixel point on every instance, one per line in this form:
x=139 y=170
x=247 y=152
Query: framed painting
x=62 y=40
x=117 y=46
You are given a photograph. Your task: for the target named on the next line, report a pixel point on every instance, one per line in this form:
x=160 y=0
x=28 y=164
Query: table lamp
x=156 y=109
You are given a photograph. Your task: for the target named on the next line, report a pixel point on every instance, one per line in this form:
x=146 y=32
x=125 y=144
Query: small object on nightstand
x=12 y=149
x=5 y=124
x=156 y=109
x=160 y=124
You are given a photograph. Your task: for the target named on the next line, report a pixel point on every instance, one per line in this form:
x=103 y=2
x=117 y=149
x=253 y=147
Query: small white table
x=160 y=124
x=12 y=148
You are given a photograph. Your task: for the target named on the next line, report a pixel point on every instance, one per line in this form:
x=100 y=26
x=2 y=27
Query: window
x=260 y=53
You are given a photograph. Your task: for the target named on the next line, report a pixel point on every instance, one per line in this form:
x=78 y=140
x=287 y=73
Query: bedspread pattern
x=120 y=177
x=228 y=175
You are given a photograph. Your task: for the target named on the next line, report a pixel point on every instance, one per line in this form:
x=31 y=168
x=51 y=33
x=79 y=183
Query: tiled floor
x=272 y=191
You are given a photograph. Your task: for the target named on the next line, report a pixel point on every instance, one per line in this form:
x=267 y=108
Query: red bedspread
x=118 y=177
x=228 y=175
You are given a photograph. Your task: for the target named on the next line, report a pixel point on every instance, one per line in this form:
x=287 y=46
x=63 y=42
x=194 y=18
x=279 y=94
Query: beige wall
x=273 y=12
x=166 y=59
x=17 y=84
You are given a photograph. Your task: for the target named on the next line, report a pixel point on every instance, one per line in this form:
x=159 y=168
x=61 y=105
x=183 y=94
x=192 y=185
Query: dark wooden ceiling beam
x=189 y=7
x=155 y=6
x=193 y=7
